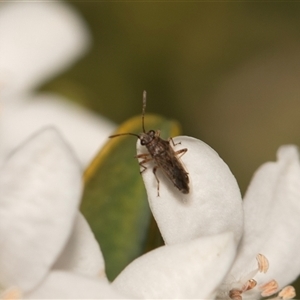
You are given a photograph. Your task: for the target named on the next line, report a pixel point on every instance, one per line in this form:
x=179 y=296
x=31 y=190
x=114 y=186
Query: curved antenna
x=144 y=108
x=128 y=133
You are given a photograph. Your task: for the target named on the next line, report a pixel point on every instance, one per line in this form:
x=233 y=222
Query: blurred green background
x=229 y=72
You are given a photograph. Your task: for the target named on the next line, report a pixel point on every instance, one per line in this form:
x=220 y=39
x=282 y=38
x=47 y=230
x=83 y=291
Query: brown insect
x=163 y=155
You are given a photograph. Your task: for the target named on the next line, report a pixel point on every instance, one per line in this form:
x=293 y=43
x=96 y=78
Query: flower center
x=265 y=290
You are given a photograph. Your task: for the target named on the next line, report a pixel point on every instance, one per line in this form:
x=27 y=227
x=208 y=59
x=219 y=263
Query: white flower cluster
x=217 y=246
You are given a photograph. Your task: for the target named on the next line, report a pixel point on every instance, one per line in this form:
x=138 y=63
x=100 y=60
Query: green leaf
x=114 y=201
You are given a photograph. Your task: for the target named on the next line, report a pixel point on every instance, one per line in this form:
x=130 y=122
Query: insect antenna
x=144 y=108
x=128 y=133
x=143 y=117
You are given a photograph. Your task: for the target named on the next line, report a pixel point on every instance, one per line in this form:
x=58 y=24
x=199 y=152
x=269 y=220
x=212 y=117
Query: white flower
x=191 y=270
x=48 y=250
x=213 y=205
x=39 y=40
x=267 y=257
x=46 y=247
x=271 y=227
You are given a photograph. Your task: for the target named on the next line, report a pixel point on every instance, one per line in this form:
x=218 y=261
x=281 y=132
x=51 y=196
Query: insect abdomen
x=181 y=180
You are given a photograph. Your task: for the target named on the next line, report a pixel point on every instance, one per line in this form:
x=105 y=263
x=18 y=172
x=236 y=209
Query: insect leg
x=181 y=152
x=146 y=157
x=170 y=139
x=154 y=172
x=142 y=155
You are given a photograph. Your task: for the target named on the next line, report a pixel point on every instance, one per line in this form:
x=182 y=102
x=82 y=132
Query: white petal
x=272 y=219
x=191 y=270
x=40 y=188
x=38 y=40
x=82 y=254
x=85 y=131
x=64 y=285
x=213 y=204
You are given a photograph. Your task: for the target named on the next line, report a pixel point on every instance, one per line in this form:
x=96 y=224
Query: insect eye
x=143 y=143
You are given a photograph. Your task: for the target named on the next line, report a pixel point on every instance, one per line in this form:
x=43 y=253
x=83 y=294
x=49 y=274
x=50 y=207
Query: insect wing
x=174 y=170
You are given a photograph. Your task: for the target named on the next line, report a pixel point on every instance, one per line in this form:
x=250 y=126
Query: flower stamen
x=250 y=283
x=269 y=288
x=236 y=294
x=12 y=293
x=287 y=293
x=263 y=263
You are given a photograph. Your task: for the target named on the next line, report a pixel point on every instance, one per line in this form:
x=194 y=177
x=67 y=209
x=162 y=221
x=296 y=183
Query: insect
x=163 y=155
